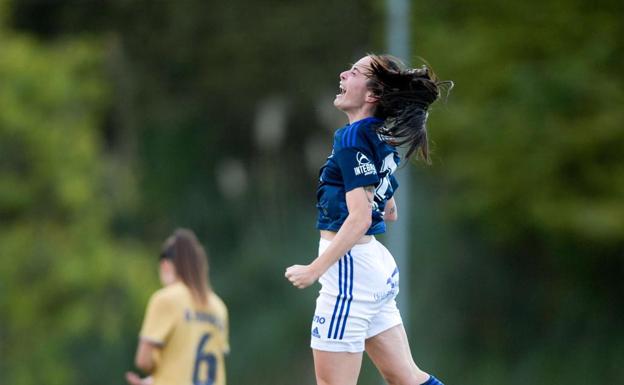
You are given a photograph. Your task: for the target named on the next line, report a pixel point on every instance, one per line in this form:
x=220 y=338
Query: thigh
x=390 y=352
x=336 y=368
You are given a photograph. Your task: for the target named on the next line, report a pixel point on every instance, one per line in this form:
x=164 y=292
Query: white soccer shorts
x=357 y=298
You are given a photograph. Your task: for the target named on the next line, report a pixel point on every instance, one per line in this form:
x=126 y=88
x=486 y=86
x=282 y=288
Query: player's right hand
x=301 y=276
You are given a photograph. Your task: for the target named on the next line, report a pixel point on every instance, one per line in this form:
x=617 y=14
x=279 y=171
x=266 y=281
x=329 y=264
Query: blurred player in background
x=387 y=106
x=184 y=336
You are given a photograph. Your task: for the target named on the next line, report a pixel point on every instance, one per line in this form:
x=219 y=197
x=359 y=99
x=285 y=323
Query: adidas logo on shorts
x=315 y=333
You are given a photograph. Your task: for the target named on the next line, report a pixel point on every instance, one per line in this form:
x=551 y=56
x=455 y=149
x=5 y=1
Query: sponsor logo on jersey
x=315 y=333
x=365 y=167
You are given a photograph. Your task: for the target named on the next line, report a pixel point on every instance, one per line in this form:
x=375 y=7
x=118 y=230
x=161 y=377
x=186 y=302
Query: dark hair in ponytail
x=404 y=96
x=190 y=261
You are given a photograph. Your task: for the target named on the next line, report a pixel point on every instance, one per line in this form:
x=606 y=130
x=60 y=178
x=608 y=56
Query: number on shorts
x=205 y=364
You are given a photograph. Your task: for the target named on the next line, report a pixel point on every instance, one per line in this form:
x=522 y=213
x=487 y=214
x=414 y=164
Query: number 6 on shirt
x=209 y=366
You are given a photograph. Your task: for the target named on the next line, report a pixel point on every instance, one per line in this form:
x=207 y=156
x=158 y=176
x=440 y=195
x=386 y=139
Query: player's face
x=353 y=91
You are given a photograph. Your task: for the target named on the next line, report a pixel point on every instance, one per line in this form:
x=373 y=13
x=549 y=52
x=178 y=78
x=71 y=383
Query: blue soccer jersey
x=359 y=158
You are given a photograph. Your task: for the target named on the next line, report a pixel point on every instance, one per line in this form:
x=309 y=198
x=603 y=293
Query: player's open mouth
x=341 y=91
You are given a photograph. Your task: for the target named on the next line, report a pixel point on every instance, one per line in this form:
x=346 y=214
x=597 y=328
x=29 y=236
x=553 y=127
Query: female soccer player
x=185 y=331
x=386 y=104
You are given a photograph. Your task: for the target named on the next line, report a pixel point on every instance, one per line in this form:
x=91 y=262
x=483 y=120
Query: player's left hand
x=301 y=276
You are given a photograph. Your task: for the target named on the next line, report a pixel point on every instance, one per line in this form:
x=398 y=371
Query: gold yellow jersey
x=192 y=339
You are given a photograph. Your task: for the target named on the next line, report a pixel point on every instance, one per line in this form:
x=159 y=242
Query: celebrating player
x=185 y=331
x=387 y=106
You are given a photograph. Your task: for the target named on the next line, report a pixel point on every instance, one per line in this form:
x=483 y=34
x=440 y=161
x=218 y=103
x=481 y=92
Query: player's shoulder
x=170 y=294
x=217 y=304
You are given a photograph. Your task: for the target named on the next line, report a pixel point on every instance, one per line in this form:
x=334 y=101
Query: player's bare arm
x=370 y=195
x=391 y=213
x=357 y=223
x=143 y=359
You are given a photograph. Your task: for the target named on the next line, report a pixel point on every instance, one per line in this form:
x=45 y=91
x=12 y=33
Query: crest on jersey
x=364 y=167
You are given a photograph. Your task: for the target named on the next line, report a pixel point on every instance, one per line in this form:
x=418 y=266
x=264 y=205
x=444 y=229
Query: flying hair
x=404 y=96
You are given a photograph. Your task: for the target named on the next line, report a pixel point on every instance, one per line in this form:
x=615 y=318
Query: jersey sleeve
x=160 y=319
x=357 y=167
x=394 y=183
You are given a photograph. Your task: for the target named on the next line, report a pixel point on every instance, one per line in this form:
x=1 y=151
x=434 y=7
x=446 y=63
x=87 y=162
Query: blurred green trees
x=122 y=120
x=67 y=290
x=528 y=150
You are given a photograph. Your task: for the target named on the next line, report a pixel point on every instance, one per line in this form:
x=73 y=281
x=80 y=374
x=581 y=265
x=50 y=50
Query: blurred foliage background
x=121 y=120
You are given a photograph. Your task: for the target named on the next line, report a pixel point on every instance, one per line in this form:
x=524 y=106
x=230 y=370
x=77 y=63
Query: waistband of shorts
x=326 y=242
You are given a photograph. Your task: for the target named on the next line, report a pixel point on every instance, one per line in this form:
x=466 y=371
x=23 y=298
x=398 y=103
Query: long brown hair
x=190 y=261
x=404 y=96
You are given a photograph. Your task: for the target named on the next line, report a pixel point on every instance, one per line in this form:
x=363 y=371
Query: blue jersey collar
x=370 y=119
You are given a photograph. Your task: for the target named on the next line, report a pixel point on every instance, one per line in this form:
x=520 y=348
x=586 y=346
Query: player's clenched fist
x=301 y=276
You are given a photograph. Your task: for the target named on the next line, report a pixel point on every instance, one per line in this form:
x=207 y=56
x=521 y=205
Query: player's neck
x=357 y=117
x=359 y=114
x=170 y=282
